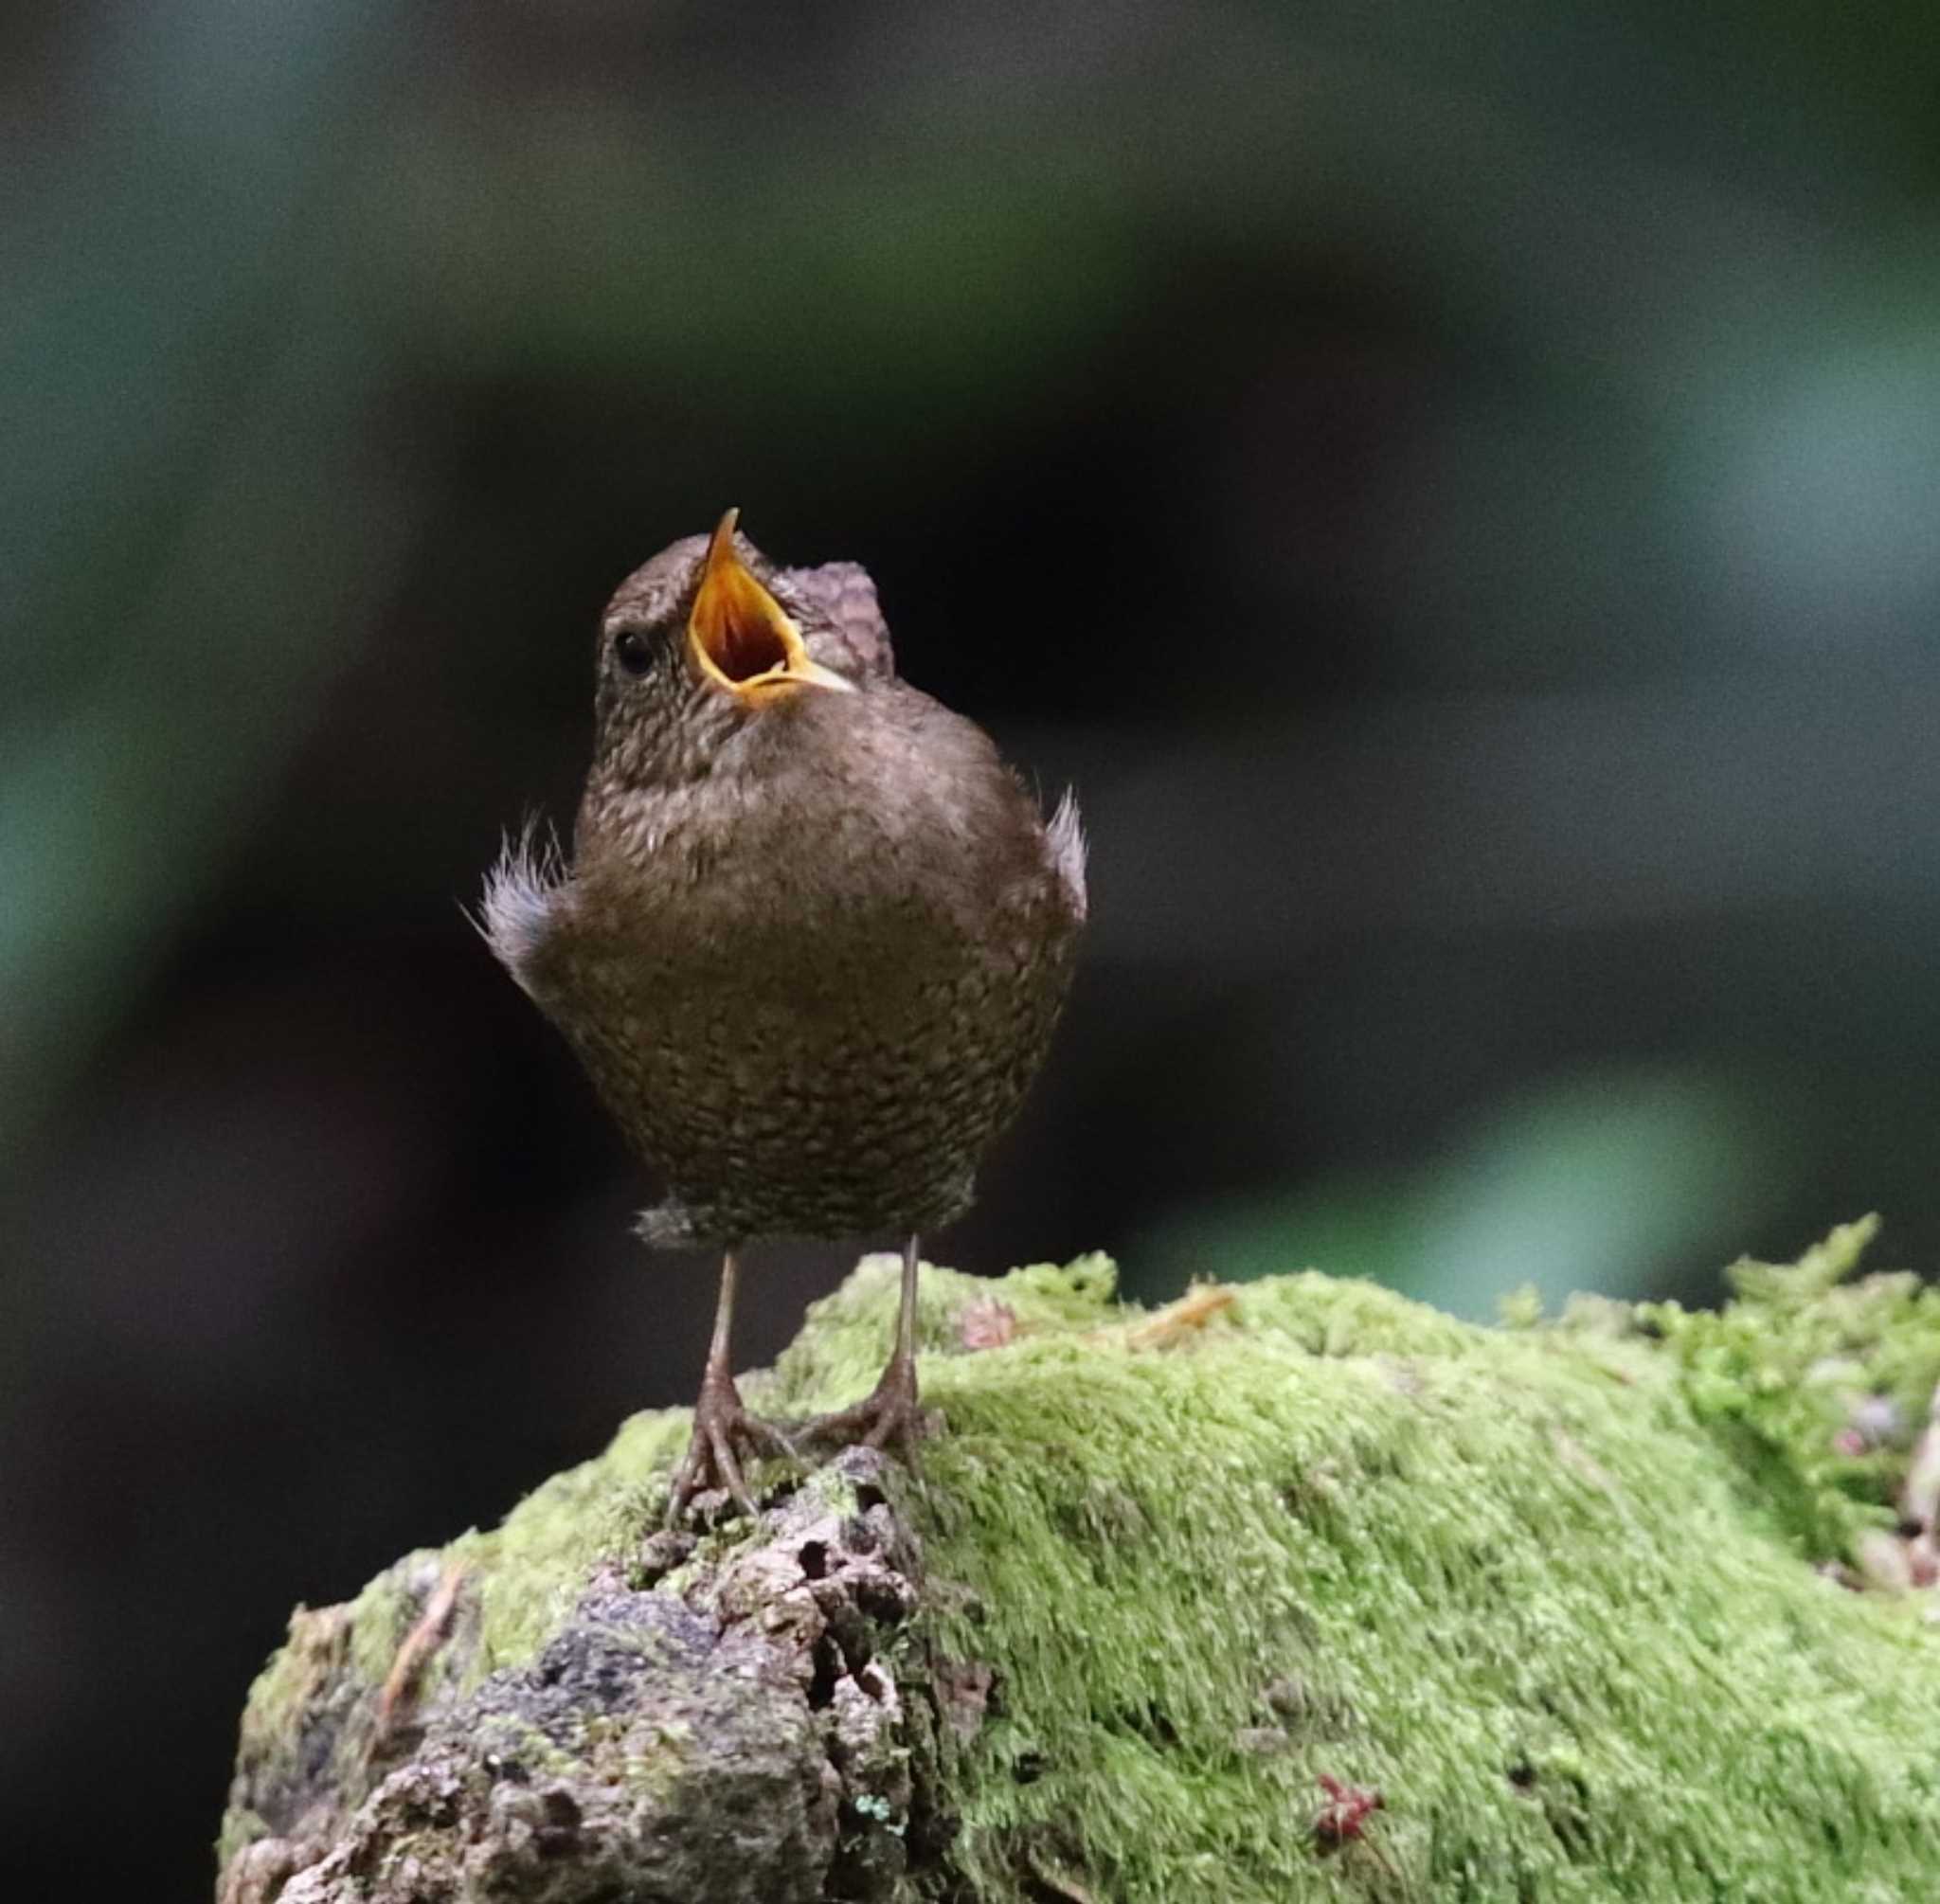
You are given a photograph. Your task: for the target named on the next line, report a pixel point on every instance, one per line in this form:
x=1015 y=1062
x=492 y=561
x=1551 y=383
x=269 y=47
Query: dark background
x=1455 y=489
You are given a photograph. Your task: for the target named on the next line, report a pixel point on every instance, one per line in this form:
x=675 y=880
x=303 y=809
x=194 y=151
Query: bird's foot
x=890 y=1416
x=725 y=1436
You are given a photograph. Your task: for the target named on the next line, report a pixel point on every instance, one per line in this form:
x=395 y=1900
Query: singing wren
x=811 y=943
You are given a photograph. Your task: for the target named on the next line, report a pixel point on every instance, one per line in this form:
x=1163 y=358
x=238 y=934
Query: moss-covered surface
x=1818 y=1385
x=1551 y=1589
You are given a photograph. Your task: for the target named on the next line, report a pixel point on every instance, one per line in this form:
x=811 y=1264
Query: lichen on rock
x=1160 y=1575
x=712 y=1719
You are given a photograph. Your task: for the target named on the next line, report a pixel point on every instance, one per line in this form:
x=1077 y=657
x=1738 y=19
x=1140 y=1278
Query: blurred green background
x=1455 y=489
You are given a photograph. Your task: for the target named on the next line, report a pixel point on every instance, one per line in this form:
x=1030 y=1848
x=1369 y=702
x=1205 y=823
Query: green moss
x=531 y=1569
x=1503 y=1576
x=240 y=1828
x=294 y=1671
x=385 y=1611
x=847 y=1335
x=1542 y=1586
x=293 y=1727
x=1780 y=1375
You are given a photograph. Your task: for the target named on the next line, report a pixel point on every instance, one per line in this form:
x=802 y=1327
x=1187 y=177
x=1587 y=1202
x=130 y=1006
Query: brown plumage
x=815 y=934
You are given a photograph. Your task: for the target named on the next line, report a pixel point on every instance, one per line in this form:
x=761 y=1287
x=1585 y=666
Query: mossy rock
x=1572 y=1597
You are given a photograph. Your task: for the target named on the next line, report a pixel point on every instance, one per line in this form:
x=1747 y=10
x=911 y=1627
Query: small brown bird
x=812 y=943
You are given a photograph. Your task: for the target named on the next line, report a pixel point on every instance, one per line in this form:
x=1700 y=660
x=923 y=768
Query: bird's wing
x=522 y=904
x=852 y=639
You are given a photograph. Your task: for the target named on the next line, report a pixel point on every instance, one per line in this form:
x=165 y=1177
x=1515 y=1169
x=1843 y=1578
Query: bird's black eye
x=636 y=652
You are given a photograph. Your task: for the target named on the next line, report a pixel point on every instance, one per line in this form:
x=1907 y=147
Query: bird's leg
x=889 y=1415
x=723 y=1431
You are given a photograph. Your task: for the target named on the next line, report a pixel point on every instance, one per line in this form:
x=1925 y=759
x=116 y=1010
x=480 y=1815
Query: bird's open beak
x=741 y=637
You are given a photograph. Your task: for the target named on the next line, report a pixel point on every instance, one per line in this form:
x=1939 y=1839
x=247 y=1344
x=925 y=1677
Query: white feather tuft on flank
x=515 y=913
x=1067 y=835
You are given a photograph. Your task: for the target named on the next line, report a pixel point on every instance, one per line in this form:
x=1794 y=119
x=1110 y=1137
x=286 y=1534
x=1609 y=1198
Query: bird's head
x=694 y=646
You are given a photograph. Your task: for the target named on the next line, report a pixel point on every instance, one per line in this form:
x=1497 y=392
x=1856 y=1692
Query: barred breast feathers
x=519 y=908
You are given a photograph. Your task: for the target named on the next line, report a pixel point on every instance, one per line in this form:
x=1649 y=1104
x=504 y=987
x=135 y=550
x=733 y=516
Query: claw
x=889 y=1415
x=725 y=1435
